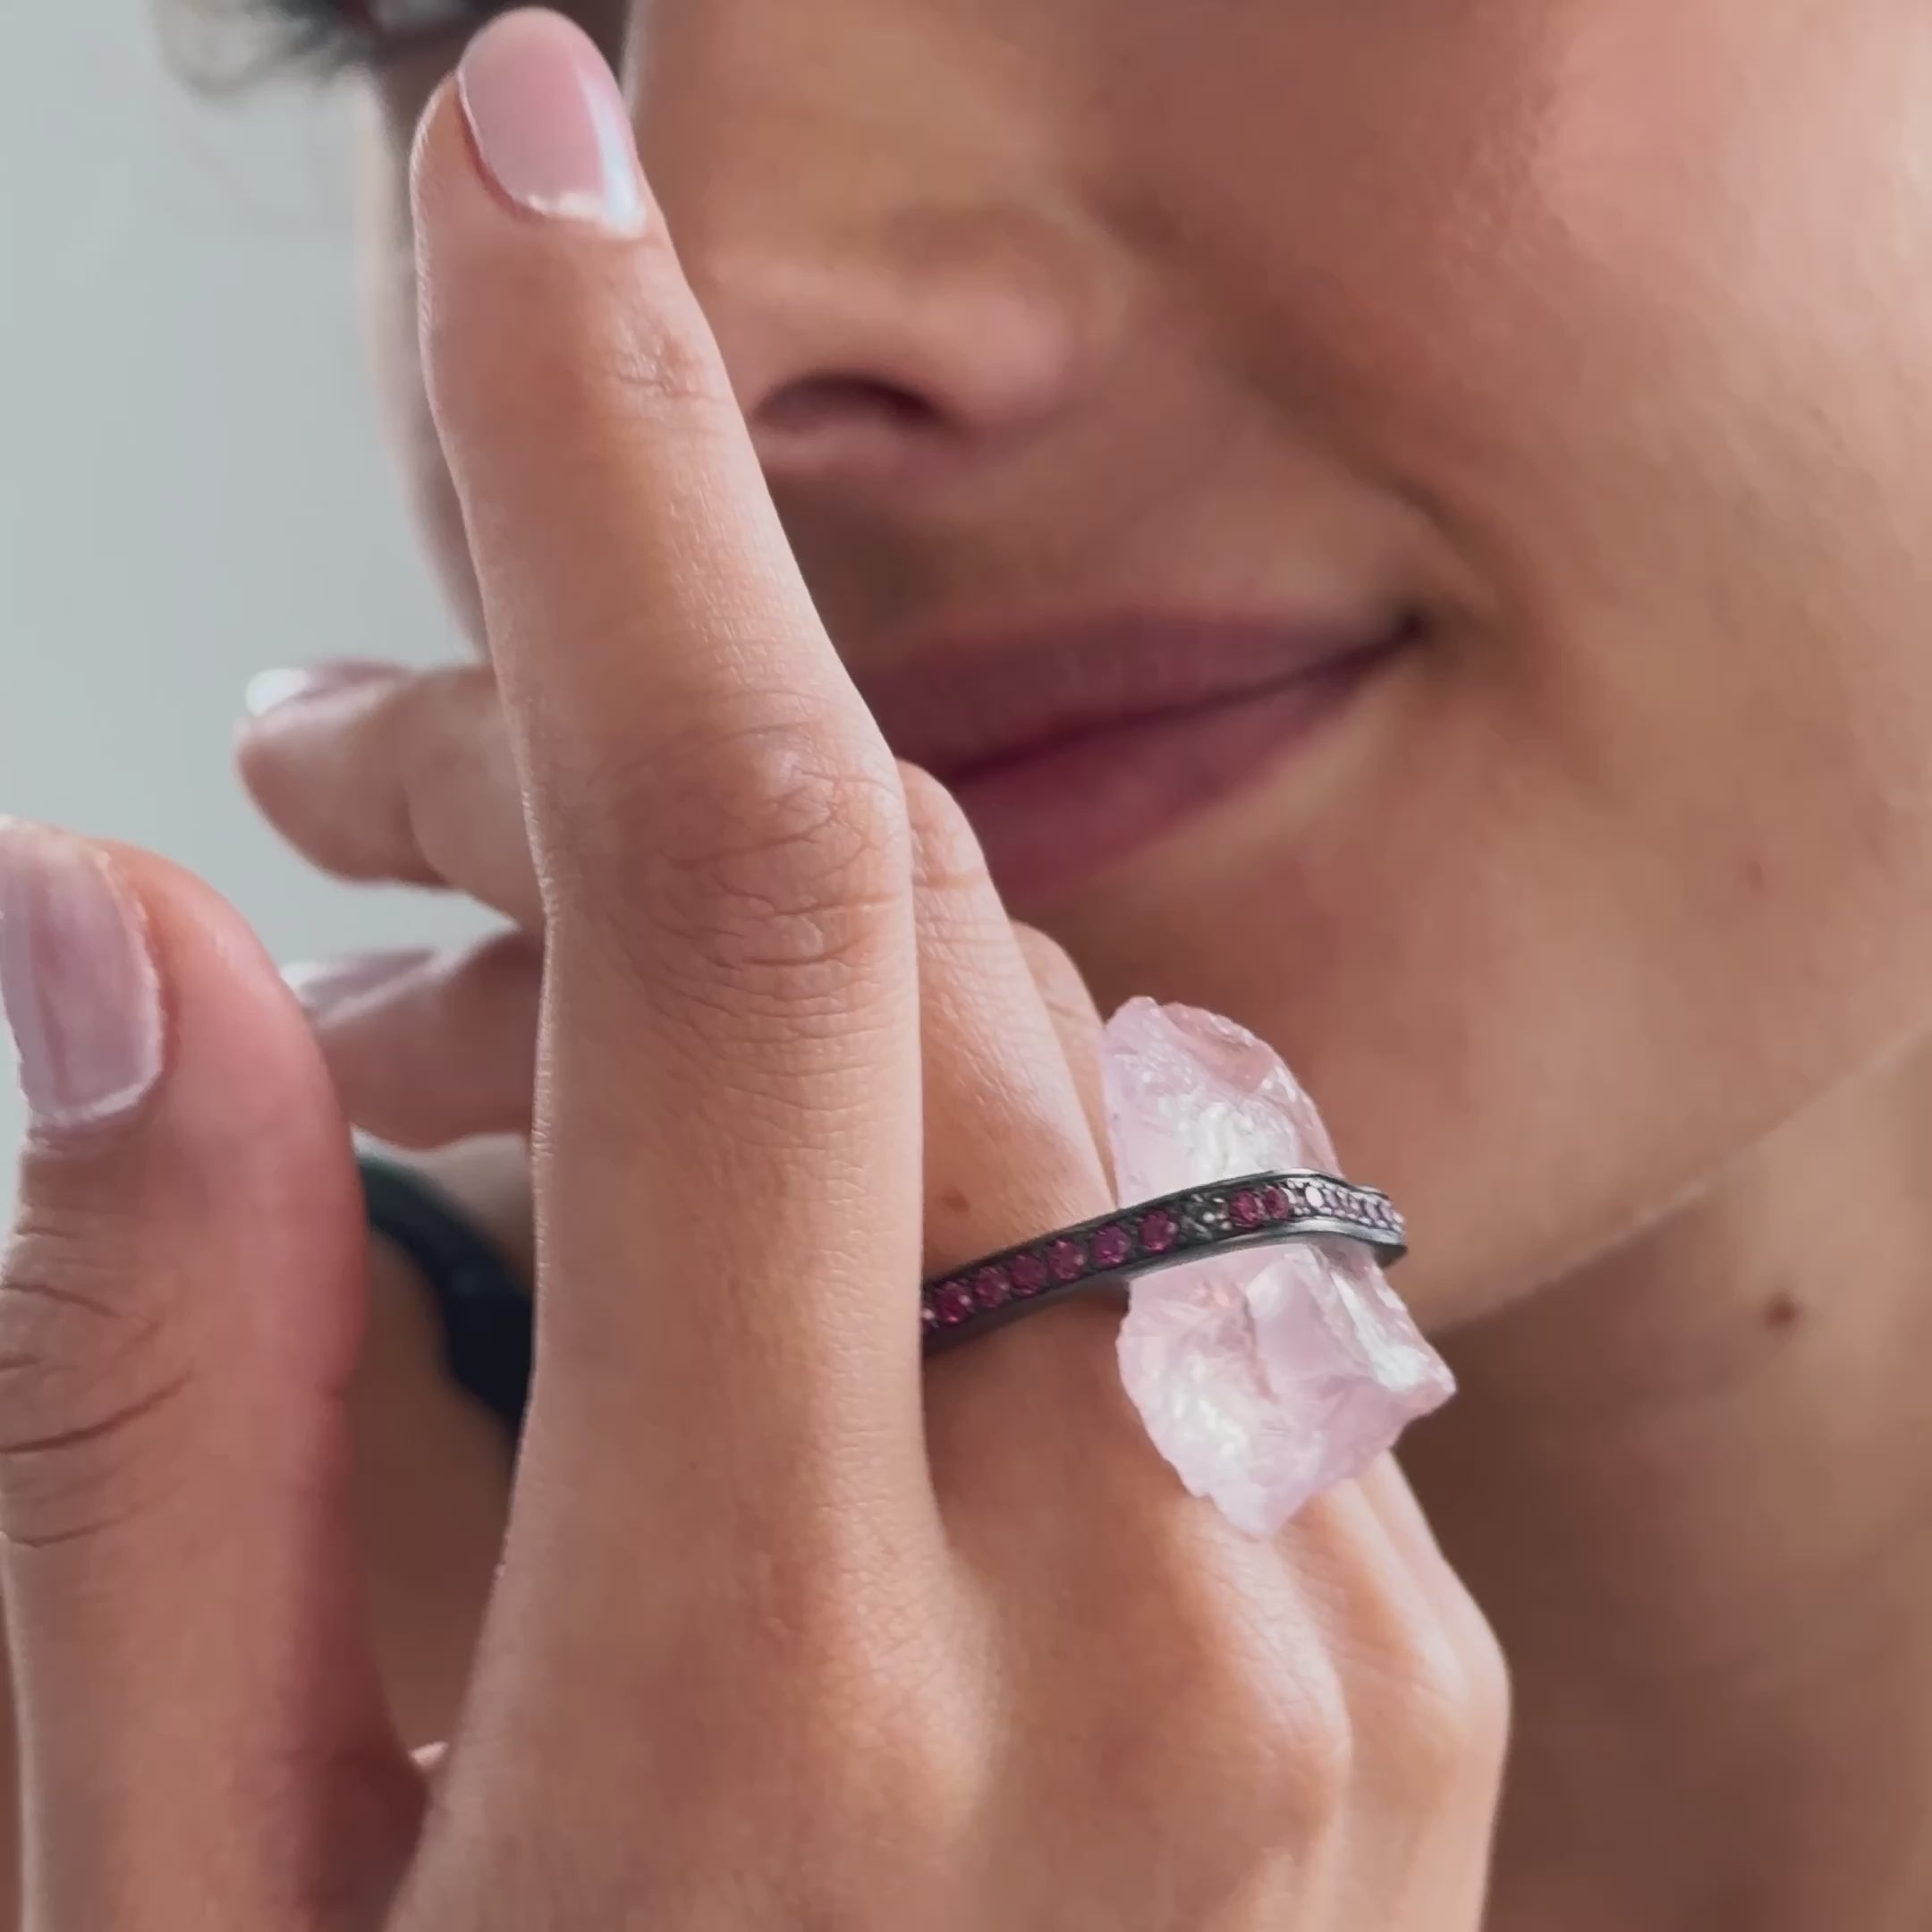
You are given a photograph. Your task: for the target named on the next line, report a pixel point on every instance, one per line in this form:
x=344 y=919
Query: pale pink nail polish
x=550 y=122
x=269 y=691
x=77 y=979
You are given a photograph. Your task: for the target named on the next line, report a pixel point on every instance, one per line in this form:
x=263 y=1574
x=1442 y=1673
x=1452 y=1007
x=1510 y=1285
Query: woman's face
x=1578 y=353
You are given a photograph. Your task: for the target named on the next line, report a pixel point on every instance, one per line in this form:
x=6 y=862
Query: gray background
x=192 y=487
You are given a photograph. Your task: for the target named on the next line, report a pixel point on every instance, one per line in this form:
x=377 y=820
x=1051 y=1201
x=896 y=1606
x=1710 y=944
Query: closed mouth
x=1072 y=746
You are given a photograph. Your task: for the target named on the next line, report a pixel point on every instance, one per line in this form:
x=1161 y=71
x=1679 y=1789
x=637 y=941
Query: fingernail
x=77 y=980
x=324 y=985
x=269 y=691
x=550 y=123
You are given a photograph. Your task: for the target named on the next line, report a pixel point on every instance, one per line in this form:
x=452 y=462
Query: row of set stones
x=1194 y=1220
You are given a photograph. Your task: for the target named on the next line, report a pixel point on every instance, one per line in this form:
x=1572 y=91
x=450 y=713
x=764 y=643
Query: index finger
x=730 y=1155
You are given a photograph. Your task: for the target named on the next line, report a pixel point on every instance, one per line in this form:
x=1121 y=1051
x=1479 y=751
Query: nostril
x=823 y=402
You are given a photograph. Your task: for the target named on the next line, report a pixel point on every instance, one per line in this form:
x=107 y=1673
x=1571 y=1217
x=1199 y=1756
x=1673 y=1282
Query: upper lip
x=961 y=705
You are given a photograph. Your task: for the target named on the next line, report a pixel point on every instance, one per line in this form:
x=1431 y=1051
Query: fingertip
x=80 y=982
x=532 y=124
x=244 y=1078
x=270 y=696
x=186 y=1143
x=550 y=128
x=318 y=766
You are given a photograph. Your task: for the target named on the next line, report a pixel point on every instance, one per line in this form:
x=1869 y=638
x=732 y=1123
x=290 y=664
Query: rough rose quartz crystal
x=1268 y=1377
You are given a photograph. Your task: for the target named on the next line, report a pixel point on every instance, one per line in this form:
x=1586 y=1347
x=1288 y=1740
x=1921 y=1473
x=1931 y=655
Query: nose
x=922 y=349
x=902 y=289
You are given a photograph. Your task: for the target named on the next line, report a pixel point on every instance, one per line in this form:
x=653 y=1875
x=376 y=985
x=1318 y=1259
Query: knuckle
x=1484 y=1697
x=1290 y=1739
x=1279 y=1752
x=1258 y=1705
x=847 y=1712
x=1441 y=1688
x=947 y=857
x=883 y=1745
x=917 y=1750
x=763 y=859
x=1490 y=1690
x=89 y=1382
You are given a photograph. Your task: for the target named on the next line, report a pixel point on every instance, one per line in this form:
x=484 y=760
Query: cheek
x=1643 y=868
x=1687 y=440
x=1540 y=992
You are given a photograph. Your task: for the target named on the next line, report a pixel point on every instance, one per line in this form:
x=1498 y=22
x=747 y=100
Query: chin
x=1537 y=1069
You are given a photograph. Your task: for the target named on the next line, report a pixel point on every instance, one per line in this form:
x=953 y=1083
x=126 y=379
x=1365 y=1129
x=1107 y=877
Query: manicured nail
x=550 y=122
x=269 y=691
x=77 y=979
x=323 y=986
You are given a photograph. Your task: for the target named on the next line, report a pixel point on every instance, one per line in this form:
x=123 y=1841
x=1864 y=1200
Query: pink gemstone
x=1158 y=1231
x=1068 y=1259
x=1246 y=1209
x=1112 y=1245
x=1264 y=1374
x=1029 y=1273
x=955 y=1303
x=990 y=1288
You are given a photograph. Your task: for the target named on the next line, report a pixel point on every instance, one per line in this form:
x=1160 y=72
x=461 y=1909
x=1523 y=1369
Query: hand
x=787 y=1632
x=380 y=773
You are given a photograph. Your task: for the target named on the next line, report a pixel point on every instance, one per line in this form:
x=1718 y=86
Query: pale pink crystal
x=1269 y=1376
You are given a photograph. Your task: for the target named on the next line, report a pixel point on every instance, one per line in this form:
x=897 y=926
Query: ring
x=1260 y=1210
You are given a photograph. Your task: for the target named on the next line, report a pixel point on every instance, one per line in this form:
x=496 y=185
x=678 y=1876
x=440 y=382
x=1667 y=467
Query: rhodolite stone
x=1265 y=1376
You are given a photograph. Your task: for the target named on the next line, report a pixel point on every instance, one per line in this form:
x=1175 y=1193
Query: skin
x=790 y=1627
x=1535 y=316
x=1600 y=927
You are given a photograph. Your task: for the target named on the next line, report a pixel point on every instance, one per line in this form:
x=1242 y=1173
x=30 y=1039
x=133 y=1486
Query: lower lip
x=1050 y=820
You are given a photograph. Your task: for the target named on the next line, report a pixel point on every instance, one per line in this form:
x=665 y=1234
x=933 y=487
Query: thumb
x=202 y=1728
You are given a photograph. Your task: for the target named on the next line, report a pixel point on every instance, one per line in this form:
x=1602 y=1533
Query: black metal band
x=1253 y=1211
x=484 y=1311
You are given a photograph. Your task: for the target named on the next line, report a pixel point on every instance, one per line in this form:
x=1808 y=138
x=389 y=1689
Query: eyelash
x=334 y=35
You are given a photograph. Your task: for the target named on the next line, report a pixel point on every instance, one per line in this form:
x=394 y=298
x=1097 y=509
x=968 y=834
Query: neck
x=1692 y=1487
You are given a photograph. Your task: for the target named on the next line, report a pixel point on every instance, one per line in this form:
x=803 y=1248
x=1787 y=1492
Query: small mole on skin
x=954 y=1201
x=1757 y=876
x=1783 y=1313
